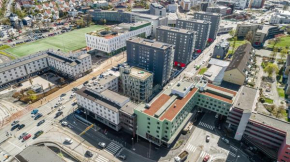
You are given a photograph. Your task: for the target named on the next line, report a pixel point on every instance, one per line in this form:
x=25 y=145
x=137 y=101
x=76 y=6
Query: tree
x=280 y=111
x=275 y=41
x=283 y=53
x=105 y=21
x=249 y=36
x=232 y=32
x=270 y=69
x=6 y=21
x=88 y=19
x=80 y=22
x=30 y=81
x=274 y=53
x=234 y=43
x=286 y=7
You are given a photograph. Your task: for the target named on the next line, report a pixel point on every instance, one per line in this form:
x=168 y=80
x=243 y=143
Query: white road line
x=234 y=155
x=15 y=145
x=101 y=159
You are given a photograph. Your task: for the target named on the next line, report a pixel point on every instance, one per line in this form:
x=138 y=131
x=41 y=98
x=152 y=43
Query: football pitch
x=66 y=42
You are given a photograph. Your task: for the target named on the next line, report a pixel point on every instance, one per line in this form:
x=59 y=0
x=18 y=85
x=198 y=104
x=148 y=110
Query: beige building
x=238 y=70
x=136 y=83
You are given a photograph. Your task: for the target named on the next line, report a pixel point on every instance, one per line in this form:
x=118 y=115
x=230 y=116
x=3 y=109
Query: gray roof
x=156 y=5
x=207 y=13
x=196 y=21
x=129 y=108
x=113 y=96
x=273 y=122
x=38 y=153
x=106 y=79
x=150 y=43
x=246 y=98
x=218 y=62
x=241 y=57
x=176 y=30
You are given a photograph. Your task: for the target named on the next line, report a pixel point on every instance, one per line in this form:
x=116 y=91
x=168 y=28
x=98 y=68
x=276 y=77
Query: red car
x=206 y=158
x=26 y=137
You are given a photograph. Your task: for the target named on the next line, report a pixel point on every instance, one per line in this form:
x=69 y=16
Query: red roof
x=222 y=89
x=157 y=104
x=175 y=108
x=217 y=97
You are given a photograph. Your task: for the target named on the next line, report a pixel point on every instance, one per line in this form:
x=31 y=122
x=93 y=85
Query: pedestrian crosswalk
x=113 y=148
x=203 y=154
x=232 y=154
x=206 y=125
x=100 y=158
x=190 y=148
x=234 y=148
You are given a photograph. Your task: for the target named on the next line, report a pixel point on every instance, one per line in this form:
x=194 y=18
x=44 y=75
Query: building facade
x=114 y=40
x=153 y=56
x=214 y=18
x=184 y=41
x=22 y=68
x=280 y=17
x=221 y=49
x=202 y=29
x=136 y=83
x=157 y=9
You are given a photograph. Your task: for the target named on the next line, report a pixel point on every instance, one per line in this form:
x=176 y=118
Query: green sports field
x=66 y=42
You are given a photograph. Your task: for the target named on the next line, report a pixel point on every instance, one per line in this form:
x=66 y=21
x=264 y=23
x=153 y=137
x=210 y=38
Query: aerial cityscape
x=144 y=81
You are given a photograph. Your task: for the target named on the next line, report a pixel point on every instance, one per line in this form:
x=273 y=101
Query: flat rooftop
x=273 y=122
x=129 y=108
x=246 y=98
x=150 y=43
x=177 y=30
x=195 y=21
x=139 y=73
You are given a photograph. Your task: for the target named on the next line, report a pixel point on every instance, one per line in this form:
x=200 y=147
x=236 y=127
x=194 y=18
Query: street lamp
x=133 y=144
x=237 y=158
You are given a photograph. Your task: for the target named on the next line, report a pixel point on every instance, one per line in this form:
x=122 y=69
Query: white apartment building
x=24 y=67
x=104 y=106
x=105 y=82
x=114 y=41
x=280 y=17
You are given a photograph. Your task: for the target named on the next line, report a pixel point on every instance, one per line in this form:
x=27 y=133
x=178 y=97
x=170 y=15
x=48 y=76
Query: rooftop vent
x=178 y=84
x=174 y=105
x=147 y=106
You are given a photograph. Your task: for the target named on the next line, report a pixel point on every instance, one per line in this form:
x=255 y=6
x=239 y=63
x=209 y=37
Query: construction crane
x=88 y=128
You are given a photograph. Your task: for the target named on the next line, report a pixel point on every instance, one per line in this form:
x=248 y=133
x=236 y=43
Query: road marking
x=232 y=154
x=101 y=159
x=191 y=148
x=206 y=125
x=203 y=154
x=234 y=148
x=15 y=145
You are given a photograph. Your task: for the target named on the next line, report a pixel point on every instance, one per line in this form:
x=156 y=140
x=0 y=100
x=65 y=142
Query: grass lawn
x=268 y=100
x=281 y=92
x=202 y=71
x=66 y=42
x=238 y=43
x=285 y=41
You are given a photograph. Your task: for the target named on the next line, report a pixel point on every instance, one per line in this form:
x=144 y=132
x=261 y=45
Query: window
x=148 y=118
x=148 y=127
x=148 y=123
x=166 y=127
x=158 y=123
x=158 y=127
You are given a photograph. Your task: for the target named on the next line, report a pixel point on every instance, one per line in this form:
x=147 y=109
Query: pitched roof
x=240 y=58
x=46 y=4
x=48 y=11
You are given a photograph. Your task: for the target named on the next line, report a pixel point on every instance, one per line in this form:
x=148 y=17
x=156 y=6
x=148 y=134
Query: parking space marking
x=206 y=125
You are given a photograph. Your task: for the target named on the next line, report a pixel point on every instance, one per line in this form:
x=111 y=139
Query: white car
x=226 y=140
x=64 y=123
x=102 y=144
x=68 y=140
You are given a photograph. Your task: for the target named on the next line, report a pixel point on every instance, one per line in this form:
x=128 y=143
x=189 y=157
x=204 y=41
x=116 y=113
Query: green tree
x=105 y=21
x=283 y=53
x=275 y=41
x=270 y=69
x=234 y=43
x=6 y=21
x=274 y=53
x=30 y=81
x=286 y=7
x=249 y=36
x=232 y=32
x=280 y=111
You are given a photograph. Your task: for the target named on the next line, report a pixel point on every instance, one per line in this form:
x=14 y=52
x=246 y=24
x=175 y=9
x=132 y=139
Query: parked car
x=58 y=114
x=89 y=153
x=207 y=138
x=68 y=140
x=64 y=123
x=35 y=111
x=15 y=126
x=37 y=134
x=38 y=116
x=226 y=140
x=14 y=122
x=26 y=137
x=22 y=135
x=21 y=126
x=206 y=158
x=102 y=144
x=122 y=157
x=40 y=122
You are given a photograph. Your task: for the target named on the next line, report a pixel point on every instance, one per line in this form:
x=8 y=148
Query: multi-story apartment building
x=153 y=56
x=184 y=41
x=243 y=29
x=185 y=4
x=202 y=29
x=239 y=69
x=223 y=10
x=114 y=40
x=157 y=9
x=256 y=3
x=214 y=18
x=221 y=49
x=280 y=17
x=163 y=118
x=136 y=83
x=129 y=17
x=22 y=68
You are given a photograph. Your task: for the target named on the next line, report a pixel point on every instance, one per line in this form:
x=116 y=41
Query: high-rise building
x=214 y=18
x=202 y=29
x=136 y=83
x=184 y=41
x=157 y=9
x=153 y=56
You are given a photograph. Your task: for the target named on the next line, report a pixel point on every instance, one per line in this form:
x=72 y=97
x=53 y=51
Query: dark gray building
x=184 y=41
x=202 y=29
x=214 y=18
x=221 y=49
x=153 y=56
x=157 y=9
